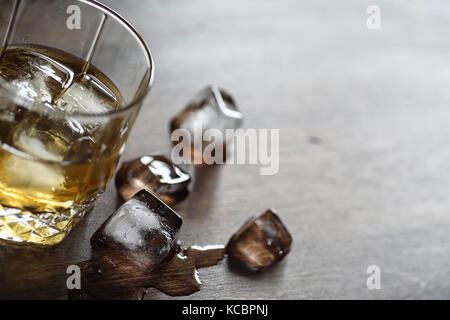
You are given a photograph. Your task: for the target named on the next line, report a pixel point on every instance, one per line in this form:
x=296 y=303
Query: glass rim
x=134 y=103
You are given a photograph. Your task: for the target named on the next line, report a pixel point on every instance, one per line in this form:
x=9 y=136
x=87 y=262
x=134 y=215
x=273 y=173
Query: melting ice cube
x=260 y=242
x=154 y=172
x=143 y=230
x=212 y=108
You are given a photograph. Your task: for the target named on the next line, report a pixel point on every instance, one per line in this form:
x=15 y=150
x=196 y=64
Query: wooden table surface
x=364 y=123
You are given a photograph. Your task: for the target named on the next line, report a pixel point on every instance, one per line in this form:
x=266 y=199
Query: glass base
x=42 y=229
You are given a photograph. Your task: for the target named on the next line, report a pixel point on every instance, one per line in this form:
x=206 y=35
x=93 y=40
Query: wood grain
x=364 y=155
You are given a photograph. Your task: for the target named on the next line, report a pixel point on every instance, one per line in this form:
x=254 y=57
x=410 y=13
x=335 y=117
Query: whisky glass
x=73 y=77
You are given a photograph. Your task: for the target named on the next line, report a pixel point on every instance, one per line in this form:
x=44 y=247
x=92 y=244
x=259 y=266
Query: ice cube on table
x=260 y=242
x=137 y=248
x=156 y=173
x=143 y=232
x=211 y=108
